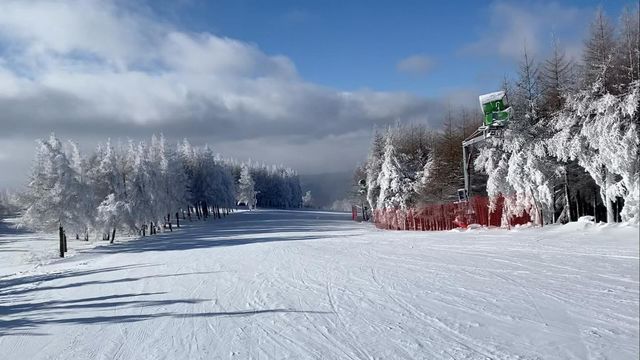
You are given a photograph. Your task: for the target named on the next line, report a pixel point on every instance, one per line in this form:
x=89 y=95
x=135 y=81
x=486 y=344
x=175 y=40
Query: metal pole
x=466 y=170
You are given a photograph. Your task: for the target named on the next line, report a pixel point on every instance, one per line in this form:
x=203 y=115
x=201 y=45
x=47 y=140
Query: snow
x=498 y=95
x=310 y=284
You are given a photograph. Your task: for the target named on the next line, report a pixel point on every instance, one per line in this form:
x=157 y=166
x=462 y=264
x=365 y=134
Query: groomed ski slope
x=315 y=285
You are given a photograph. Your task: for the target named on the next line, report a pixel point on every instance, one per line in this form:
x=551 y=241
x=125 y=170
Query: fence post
x=61 y=234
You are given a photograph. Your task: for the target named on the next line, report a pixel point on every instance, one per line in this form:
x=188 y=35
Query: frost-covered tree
x=108 y=181
x=51 y=199
x=9 y=203
x=555 y=78
x=408 y=165
x=600 y=132
x=628 y=52
x=395 y=189
x=129 y=188
x=307 y=199
x=276 y=186
x=138 y=186
x=566 y=151
x=598 y=56
x=373 y=167
x=86 y=211
x=516 y=163
x=246 y=188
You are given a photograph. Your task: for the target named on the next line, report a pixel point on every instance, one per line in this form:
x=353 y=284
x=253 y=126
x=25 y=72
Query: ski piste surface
x=273 y=284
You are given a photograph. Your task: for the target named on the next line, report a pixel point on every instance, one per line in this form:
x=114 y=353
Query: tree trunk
x=113 y=235
x=553 y=209
x=611 y=217
x=595 y=203
x=567 y=200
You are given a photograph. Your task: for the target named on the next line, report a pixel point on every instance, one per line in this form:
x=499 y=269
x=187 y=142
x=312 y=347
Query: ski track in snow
x=274 y=284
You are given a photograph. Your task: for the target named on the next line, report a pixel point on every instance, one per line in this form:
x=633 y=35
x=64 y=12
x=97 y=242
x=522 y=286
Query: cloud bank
x=92 y=69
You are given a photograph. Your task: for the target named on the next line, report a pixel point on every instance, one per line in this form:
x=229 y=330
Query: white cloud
x=510 y=26
x=82 y=68
x=416 y=65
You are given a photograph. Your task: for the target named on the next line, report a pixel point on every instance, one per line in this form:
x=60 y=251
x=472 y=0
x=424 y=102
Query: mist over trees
x=137 y=186
x=570 y=148
x=8 y=203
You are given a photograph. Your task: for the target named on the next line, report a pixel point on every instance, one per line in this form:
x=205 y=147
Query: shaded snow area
x=315 y=285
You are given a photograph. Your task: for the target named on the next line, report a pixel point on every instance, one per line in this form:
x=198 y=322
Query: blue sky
x=301 y=83
x=351 y=45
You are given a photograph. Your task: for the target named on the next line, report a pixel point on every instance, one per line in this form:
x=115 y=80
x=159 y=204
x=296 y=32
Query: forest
x=137 y=187
x=570 y=148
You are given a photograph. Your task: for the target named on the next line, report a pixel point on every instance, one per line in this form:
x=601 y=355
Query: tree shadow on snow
x=24 y=318
x=241 y=229
x=8 y=285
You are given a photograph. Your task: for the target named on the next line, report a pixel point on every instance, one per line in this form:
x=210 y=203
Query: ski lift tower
x=496 y=113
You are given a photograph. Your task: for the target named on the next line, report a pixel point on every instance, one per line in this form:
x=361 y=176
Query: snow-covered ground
x=304 y=284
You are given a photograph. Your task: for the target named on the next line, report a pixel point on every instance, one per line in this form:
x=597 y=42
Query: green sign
x=494 y=108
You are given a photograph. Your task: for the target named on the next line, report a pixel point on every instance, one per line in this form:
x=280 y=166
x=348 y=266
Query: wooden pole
x=61 y=234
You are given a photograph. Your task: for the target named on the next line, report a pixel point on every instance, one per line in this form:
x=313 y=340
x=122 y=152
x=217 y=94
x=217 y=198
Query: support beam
x=481 y=134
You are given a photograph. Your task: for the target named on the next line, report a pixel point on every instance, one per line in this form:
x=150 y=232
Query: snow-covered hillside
x=305 y=284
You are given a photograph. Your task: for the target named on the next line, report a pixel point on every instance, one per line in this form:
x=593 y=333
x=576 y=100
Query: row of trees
x=276 y=186
x=137 y=186
x=268 y=186
x=570 y=149
x=8 y=203
x=409 y=165
x=572 y=145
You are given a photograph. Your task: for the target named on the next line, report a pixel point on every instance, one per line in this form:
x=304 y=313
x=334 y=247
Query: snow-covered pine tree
x=373 y=168
x=139 y=196
x=628 y=51
x=86 y=210
x=598 y=55
x=307 y=199
x=246 y=188
x=107 y=181
x=394 y=191
x=51 y=199
x=599 y=131
x=555 y=79
x=531 y=173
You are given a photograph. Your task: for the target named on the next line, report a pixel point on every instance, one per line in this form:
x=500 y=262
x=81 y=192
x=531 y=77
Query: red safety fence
x=448 y=216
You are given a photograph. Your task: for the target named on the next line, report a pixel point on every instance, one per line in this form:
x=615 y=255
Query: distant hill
x=327 y=188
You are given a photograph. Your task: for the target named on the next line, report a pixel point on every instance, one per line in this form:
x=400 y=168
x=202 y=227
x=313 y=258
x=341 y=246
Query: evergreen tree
x=598 y=54
x=51 y=199
x=246 y=188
